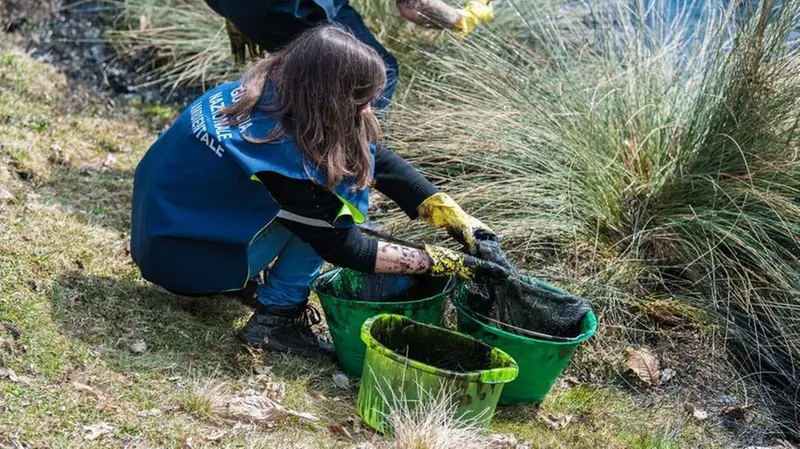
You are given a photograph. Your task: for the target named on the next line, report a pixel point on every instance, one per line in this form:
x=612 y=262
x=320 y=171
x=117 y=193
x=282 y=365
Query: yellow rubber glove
x=442 y=212
x=474 y=13
x=446 y=262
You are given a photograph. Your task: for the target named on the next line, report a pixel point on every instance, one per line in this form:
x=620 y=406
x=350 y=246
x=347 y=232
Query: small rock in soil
x=555 y=420
x=110 y=161
x=502 y=441
x=95 y=431
x=667 y=375
x=98 y=392
x=342 y=381
x=7 y=373
x=698 y=414
x=138 y=347
x=97 y=52
x=364 y=446
x=37 y=286
x=151 y=412
x=5 y=195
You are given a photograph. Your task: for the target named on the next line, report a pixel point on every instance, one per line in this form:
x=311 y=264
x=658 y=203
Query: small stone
x=7 y=373
x=342 y=381
x=96 y=431
x=364 y=446
x=5 y=195
x=698 y=414
x=667 y=375
x=97 y=52
x=502 y=441
x=110 y=161
x=150 y=412
x=138 y=347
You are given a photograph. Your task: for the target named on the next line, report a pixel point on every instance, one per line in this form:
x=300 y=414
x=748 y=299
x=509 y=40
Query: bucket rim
x=449 y=287
x=500 y=375
x=590 y=315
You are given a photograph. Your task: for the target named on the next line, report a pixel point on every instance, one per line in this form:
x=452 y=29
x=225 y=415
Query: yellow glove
x=474 y=13
x=442 y=212
x=446 y=262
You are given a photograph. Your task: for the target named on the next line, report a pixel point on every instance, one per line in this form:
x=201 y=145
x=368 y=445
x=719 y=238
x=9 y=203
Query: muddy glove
x=446 y=262
x=441 y=211
x=241 y=45
x=474 y=13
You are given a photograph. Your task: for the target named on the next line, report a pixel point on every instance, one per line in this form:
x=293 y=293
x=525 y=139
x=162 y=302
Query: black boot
x=286 y=329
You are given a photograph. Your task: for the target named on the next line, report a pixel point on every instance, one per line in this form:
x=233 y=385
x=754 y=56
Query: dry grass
x=430 y=420
x=183 y=41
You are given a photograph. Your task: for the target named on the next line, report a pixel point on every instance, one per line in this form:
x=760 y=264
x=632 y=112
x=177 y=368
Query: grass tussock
x=183 y=42
x=664 y=146
x=430 y=419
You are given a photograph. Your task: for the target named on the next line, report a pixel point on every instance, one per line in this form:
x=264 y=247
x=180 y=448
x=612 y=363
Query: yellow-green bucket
x=408 y=362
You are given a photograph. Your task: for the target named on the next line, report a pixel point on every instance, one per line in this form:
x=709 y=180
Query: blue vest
x=197 y=204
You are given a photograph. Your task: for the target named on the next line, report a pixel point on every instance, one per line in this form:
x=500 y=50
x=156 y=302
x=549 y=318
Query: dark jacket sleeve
x=401 y=182
x=343 y=247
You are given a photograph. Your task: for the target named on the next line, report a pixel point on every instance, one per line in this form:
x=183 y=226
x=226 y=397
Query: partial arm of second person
x=436 y=13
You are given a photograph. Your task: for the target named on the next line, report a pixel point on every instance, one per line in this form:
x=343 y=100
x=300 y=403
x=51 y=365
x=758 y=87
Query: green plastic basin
x=540 y=361
x=349 y=298
x=408 y=361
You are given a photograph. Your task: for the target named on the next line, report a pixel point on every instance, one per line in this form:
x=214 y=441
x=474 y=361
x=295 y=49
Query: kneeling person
x=276 y=169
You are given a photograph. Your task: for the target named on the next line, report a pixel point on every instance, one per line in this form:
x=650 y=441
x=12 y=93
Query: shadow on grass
x=102 y=196
x=111 y=314
x=183 y=336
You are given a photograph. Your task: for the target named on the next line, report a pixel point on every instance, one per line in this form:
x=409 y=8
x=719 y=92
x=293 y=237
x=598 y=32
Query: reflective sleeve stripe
x=286 y=215
x=351 y=210
x=347 y=209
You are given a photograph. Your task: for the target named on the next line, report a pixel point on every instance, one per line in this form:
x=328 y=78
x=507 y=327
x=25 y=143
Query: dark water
x=435 y=347
x=355 y=286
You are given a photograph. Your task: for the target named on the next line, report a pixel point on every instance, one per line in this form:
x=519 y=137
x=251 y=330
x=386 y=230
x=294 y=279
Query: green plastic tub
x=540 y=361
x=349 y=297
x=407 y=361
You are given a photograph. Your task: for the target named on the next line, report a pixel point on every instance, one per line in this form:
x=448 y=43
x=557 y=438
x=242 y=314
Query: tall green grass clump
x=665 y=145
x=183 y=42
x=186 y=44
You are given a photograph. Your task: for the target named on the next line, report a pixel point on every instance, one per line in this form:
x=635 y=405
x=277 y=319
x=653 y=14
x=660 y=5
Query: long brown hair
x=323 y=81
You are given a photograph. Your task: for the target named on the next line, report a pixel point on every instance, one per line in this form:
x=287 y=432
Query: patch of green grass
x=589 y=416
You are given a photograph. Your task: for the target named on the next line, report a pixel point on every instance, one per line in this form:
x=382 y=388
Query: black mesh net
x=525 y=305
